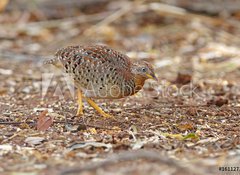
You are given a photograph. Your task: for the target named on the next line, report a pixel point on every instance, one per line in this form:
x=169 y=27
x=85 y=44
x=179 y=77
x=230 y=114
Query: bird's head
x=143 y=70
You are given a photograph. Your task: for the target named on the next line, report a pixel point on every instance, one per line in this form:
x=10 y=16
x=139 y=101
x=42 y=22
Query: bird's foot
x=98 y=109
x=106 y=115
x=79 y=113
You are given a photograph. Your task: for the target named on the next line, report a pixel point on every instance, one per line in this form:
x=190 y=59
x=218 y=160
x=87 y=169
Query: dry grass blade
x=114 y=16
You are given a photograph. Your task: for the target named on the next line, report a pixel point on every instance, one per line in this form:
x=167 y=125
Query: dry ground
x=186 y=123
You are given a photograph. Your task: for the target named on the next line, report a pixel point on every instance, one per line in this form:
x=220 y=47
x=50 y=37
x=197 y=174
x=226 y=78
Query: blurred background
x=167 y=32
x=188 y=42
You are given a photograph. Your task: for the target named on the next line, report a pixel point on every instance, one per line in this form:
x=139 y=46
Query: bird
x=100 y=72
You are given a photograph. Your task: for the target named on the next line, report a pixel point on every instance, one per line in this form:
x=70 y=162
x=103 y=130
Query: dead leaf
x=192 y=111
x=208 y=140
x=184 y=126
x=138 y=144
x=44 y=121
x=43 y=109
x=90 y=144
x=34 y=140
x=183 y=78
x=174 y=136
x=181 y=137
x=218 y=101
x=191 y=136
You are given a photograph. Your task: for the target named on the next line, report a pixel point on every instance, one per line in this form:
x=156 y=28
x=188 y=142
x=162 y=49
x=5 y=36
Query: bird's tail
x=50 y=61
x=54 y=61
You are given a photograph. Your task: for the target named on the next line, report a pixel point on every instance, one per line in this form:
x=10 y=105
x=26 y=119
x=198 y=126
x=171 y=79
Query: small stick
x=56 y=122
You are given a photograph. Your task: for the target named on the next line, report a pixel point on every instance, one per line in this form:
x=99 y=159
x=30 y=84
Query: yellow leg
x=80 y=103
x=95 y=106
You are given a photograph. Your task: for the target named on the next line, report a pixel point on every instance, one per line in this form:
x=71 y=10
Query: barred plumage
x=101 y=72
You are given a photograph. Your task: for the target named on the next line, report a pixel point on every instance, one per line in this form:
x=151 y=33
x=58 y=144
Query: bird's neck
x=139 y=82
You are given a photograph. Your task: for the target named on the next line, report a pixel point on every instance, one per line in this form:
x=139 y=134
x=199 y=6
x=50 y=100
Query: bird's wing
x=108 y=58
x=98 y=56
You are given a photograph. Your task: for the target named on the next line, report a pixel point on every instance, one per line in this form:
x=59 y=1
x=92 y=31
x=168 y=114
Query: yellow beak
x=153 y=76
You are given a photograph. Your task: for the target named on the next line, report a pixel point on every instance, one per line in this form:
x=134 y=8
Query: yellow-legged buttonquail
x=102 y=73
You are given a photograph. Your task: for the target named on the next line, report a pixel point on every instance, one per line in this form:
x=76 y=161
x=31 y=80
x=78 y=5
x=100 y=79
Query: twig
x=72 y=20
x=131 y=156
x=114 y=16
x=13 y=136
x=84 y=125
x=56 y=122
x=16 y=123
x=169 y=9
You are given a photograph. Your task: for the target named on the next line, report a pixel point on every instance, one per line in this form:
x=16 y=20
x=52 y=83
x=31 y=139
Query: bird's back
x=97 y=69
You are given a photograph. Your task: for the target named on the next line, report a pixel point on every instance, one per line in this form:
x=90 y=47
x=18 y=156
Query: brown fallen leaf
x=183 y=78
x=184 y=126
x=192 y=111
x=44 y=121
x=218 y=101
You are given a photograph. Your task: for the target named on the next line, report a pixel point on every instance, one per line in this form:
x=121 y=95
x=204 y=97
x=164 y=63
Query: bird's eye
x=144 y=69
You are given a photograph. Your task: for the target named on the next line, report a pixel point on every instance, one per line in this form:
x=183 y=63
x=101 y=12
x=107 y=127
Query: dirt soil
x=186 y=123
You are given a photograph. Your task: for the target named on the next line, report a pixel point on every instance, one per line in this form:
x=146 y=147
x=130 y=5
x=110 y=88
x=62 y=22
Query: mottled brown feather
x=99 y=71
